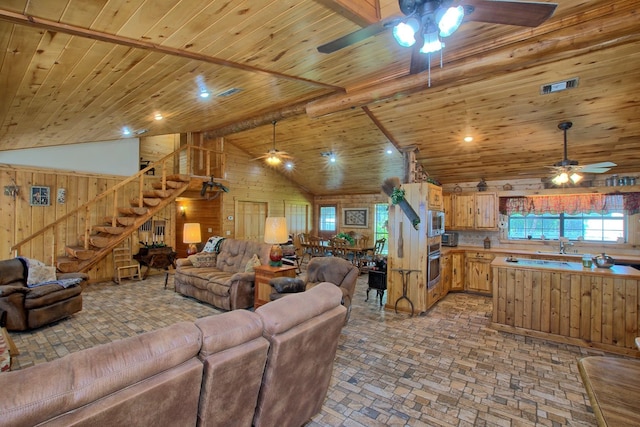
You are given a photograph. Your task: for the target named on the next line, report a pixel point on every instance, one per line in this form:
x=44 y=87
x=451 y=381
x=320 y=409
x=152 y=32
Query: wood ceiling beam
x=256 y=121
x=567 y=38
x=360 y=12
x=45 y=24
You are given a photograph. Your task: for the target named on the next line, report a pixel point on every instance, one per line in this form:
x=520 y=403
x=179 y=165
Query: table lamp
x=275 y=232
x=191 y=235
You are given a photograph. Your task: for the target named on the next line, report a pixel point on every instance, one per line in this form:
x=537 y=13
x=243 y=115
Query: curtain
x=571 y=204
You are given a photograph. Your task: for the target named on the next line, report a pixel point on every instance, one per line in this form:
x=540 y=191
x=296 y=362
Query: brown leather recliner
x=33 y=307
x=335 y=270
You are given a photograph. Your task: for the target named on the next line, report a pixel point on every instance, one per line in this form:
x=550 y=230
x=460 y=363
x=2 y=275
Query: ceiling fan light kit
x=275 y=157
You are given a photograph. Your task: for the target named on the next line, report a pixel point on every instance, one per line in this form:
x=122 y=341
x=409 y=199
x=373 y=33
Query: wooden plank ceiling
x=76 y=71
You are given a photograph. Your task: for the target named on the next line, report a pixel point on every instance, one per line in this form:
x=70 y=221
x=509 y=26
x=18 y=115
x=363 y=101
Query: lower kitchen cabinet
x=478 y=272
x=445 y=273
x=457 y=272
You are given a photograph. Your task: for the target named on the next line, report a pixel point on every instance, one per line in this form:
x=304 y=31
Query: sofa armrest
x=183 y=262
x=63 y=276
x=243 y=277
x=7 y=290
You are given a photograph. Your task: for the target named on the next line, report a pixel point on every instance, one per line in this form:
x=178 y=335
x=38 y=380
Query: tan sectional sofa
x=268 y=368
x=227 y=284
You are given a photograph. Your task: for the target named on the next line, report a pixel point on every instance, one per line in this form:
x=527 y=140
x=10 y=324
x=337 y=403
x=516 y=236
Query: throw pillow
x=203 y=259
x=213 y=244
x=40 y=273
x=252 y=264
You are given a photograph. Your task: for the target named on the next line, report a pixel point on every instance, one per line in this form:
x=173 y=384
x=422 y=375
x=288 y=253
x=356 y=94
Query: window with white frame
x=590 y=227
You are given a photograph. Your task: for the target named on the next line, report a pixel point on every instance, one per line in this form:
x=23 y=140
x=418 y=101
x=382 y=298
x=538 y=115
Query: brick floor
x=442 y=368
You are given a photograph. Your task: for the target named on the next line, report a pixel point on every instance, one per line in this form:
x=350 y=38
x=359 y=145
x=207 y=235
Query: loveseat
x=271 y=367
x=223 y=278
x=31 y=302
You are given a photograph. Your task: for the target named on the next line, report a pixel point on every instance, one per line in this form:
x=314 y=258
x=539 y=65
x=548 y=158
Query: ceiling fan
x=427 y=21
x=567 y=170
x=274 y=157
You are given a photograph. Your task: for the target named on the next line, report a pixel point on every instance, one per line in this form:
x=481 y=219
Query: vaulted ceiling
x=78 y=71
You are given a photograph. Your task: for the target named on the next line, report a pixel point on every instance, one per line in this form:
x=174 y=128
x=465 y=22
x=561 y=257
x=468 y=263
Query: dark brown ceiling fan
x=425 y=16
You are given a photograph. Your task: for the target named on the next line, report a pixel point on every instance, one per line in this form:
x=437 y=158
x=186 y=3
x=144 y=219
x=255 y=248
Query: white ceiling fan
x=566 y=170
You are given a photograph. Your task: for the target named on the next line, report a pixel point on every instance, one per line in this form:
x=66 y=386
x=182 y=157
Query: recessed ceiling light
x=468 y=138
x=289 y=165
x=126 y=131
x=158 y=116
x=204 y=93
x=389 y=151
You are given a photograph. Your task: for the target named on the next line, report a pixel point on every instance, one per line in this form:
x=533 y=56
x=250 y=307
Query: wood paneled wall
x=20 y=219
x=251 y=180
x=350 y=201
x=205 y=212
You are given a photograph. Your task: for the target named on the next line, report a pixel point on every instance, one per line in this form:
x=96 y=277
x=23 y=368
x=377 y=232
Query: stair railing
x=187 y=160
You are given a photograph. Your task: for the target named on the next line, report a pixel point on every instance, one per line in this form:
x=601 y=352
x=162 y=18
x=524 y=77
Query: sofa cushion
x=43 y=296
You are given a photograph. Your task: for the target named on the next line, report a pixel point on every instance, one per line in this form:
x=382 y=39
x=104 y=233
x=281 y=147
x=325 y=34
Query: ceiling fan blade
x=358 y=35
x=525 y=14
x=601 y=167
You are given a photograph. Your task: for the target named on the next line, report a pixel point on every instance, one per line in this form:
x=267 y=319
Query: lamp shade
x=275 y=230
x=191 y=233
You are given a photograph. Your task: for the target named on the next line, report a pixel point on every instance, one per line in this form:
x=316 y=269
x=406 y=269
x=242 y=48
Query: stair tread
x=169 y=185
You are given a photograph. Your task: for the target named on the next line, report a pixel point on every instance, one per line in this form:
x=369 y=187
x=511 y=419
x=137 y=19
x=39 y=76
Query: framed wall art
x=355 y=217
x=40 y=196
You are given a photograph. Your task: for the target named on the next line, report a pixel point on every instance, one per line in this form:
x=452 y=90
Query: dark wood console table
x=160 y=258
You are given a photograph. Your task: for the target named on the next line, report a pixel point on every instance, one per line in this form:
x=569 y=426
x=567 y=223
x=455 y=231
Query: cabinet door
x=486 y=212
x=463 y=211
x=435 y=197
x=457 y=272
x=448 y=211
x=478 y=274
x=445 y=273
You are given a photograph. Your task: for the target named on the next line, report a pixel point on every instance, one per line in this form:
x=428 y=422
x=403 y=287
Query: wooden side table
x=264 y=273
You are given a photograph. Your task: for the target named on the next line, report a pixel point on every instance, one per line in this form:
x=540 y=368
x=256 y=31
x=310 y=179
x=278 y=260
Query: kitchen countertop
x=566 y=266
x=627 y=259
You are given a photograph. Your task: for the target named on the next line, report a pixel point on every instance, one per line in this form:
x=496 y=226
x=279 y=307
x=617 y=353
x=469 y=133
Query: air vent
x=558 y=86
x=229 y=92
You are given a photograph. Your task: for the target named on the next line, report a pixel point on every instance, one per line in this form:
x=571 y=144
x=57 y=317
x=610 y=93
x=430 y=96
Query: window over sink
x=590 y=227
x=589 y=217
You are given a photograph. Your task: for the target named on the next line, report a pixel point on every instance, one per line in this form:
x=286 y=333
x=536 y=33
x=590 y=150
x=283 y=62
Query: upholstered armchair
x=335 y=270
x=330 y=269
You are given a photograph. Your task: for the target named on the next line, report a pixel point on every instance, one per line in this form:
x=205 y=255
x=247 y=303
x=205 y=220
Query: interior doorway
x=250 y=219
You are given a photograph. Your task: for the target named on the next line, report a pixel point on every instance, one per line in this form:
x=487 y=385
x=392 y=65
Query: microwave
x=450 y=238
x=435 y=223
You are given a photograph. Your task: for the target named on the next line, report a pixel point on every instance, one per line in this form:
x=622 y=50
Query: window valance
x=571 y=204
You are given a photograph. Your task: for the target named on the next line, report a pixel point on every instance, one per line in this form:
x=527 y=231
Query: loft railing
x=69 y=229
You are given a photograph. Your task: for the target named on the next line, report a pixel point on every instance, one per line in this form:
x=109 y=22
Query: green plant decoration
x=397 y=196
x=347 y=237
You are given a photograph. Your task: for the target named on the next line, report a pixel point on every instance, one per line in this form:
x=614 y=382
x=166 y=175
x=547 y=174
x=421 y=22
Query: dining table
x=326 y=247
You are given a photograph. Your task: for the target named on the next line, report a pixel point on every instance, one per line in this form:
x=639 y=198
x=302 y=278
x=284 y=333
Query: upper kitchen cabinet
x=435 y=197
x=473 y=211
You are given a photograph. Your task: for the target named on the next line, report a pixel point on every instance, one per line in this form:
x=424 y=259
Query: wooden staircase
x=111 y=217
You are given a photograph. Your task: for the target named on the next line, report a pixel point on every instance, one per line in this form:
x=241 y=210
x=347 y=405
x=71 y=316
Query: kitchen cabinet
x=445 y=273
x=435 y=197
x=457 y=271
x=463 y=207
x=478 y=272
x=473 y=211
x=486 y=211
x=446 y=208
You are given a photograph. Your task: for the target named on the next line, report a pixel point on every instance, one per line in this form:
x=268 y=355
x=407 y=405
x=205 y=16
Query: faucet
x=564 y=242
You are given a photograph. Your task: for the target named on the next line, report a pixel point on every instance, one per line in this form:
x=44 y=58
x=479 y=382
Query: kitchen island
x=564 y=302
